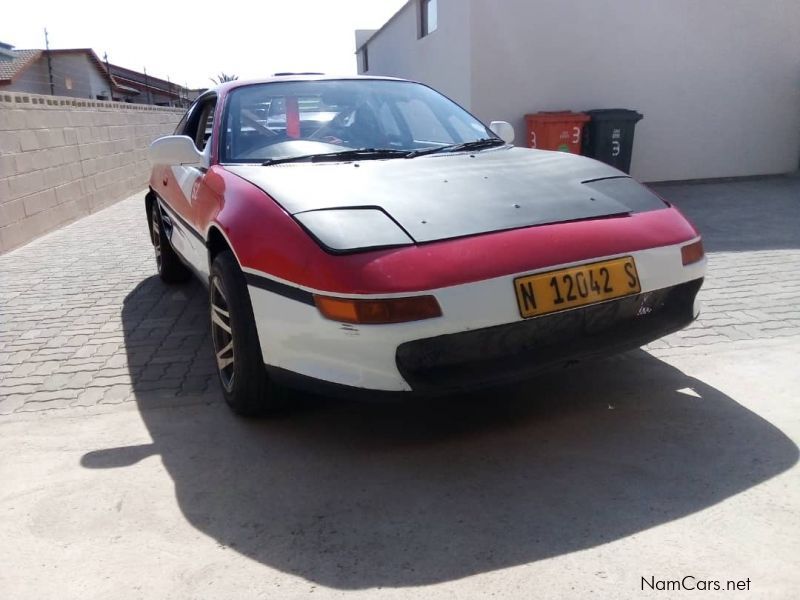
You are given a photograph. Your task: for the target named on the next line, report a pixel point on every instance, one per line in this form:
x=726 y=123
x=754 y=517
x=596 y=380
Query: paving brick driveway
x=84 y=321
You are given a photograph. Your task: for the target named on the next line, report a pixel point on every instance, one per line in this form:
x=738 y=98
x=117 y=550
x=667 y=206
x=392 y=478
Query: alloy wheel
x=156 y=233
x=222 y=334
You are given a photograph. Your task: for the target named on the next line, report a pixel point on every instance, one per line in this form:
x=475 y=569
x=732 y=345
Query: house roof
x=9 y=69
x=121 y=79
x=139 y=81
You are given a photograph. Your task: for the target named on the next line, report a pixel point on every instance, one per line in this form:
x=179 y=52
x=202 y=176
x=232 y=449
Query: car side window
x=205 y=126
x=200 y=122
x=182 y=123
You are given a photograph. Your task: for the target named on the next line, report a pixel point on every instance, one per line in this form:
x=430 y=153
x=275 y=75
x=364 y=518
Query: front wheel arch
x=249 y=391
x=149 y=198
x=216 y=244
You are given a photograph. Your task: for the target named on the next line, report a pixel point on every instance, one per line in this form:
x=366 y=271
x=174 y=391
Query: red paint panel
x=292 y=117
x=264 y=236
x=267 y=239
x=477 y=258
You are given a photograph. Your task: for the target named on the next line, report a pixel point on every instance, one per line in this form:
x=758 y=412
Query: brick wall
x=64 y=158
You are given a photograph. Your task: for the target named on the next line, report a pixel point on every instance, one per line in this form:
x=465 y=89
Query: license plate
x=576 y=286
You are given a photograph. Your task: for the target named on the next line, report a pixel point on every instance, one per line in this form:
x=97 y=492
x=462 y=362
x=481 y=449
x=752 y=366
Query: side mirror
x=503 y=130
x=175 y=150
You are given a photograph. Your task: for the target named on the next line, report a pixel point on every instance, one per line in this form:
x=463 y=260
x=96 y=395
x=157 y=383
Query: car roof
x=225 y=87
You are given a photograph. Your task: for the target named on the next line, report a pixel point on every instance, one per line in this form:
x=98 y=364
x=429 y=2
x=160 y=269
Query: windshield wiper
x=378 y=153
x=473 y=145
x=354 y=154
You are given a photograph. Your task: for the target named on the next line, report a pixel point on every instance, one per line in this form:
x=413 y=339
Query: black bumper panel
x=508 y=353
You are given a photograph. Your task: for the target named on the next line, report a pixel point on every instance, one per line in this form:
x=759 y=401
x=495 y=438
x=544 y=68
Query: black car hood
x=451 y=195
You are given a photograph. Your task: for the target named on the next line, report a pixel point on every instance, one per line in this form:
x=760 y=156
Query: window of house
x=429 y=20
x=365 y=58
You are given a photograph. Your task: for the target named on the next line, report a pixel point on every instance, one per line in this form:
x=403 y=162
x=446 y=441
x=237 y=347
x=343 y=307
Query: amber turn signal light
x=692 y=253
x=378 y=311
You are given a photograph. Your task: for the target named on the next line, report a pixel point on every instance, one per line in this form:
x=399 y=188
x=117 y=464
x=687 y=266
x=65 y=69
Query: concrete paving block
x=87 y=397
x=12 y=403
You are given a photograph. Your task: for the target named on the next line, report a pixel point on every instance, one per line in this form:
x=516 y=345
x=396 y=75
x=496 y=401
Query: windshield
x=280 y=120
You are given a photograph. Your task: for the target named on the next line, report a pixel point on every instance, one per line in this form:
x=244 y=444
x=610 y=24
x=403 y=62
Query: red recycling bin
x=556 y=130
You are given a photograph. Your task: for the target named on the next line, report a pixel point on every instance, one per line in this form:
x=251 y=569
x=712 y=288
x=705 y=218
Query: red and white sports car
x=370 y=234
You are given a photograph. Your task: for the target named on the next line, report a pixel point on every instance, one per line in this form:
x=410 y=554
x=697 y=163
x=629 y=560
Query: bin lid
x=614 y=114
x=557 y=117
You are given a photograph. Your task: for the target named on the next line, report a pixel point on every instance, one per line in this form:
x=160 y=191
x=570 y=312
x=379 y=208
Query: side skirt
x=167 y=217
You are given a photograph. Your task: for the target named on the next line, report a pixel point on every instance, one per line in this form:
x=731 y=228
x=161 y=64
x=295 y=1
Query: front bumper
x=514 y=352
x=480 y=339
x=508 y=353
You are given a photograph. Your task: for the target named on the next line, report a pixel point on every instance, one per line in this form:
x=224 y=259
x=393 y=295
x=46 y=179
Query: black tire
x=247 y=388
x=169 y=265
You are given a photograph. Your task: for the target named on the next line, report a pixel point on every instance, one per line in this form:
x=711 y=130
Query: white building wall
x=440 y=59
x=718 y=81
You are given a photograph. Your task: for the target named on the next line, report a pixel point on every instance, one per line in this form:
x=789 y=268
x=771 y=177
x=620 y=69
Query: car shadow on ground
x=354 y=495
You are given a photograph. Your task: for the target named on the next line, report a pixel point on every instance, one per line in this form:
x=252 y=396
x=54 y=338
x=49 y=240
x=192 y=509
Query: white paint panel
x=189 y=246
x=186 y=178
x=294 y=336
